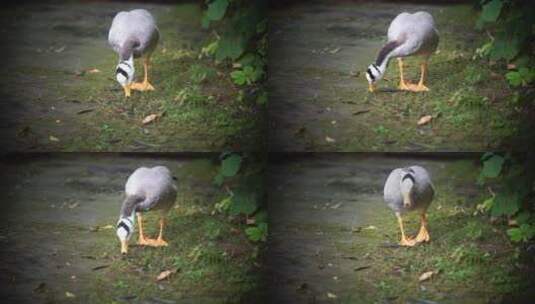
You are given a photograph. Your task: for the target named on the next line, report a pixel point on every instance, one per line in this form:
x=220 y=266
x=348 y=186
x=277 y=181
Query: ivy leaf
x=514 y=78
x=231 y=165
x=258 y=233
x=492 y=166
x=491 y=11
x=504 y=47
x=262 y=98
x=243 y=202
x=230 y=46
x=523 y=233
x=506 y=203
x=216 y=10
x=238 y=77
x=219 y=179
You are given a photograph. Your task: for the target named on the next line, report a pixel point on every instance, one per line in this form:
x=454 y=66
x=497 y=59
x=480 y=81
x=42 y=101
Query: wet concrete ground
x=325 y=209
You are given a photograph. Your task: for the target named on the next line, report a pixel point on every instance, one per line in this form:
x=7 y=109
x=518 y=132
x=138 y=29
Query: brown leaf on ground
x=165 y=274
x=150 y=118
x=93 y=71
x=425 y=120
x=426 y=276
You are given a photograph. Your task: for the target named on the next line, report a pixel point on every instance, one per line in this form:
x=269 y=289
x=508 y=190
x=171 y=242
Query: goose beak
x=407 y=202
x=124 y=247
x=126 y=90
x=371 y=87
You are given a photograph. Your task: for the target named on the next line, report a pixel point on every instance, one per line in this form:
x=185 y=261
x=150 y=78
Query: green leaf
x=231 y=165
x=238 y=77
x=243 y=202
x=504 y=47
x=514 y=78
x=230 y=46
x=491 y=11
x=492 y=166
x=258 y=233
x=523 y=233
x=506 y=203
x=262 y=98
x=216 y=10
x=219 y=179
x=261 y=217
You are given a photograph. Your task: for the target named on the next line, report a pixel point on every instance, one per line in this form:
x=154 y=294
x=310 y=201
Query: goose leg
x=160 y=241
x=142 y=240
x=145 y=85
x=404 y=240
x=423 y=235
x=402 y=84
x=420 y=87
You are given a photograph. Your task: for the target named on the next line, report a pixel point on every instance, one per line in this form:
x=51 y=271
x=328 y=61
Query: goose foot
x=418 y=88
x=145 y=242
x=423 y=236
x=406 y=86
x=407 y=242
x=160 y=243
x=142 y=86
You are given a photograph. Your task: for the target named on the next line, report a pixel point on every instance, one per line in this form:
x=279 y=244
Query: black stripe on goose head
x=370 y=74
x=122 y=72
x=409 y=174
x=122 y=224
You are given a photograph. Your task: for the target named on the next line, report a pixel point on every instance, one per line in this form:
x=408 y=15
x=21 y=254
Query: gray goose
x=408 y=35
x=410 y=189
x=146 y=189
x=132 y=35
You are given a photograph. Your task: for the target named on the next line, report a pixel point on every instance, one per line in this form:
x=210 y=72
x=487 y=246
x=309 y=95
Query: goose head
x=406 y=187
x=124 y=73
x=125 y=228
x=374 y=74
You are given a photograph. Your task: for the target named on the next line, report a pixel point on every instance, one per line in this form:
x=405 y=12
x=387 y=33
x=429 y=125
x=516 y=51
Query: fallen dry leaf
x=150 y=118
x=336 y=206
x=371 y=227
x=426 y=276
x=53 y=138
x=69 y=294
x=165 y=274
x=92 y=71
x=329 y=139
x=425 y=120
x=511 y=66
x=331 y=295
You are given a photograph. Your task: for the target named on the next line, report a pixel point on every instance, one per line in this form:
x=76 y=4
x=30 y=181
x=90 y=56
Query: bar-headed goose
x=410 y=189
x=408 y=35
x=146 y=189
x=132 y=35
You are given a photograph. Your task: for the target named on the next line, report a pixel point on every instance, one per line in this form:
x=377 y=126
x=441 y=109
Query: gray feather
x=149 y=189
x=134 y=32
x=422 y=194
